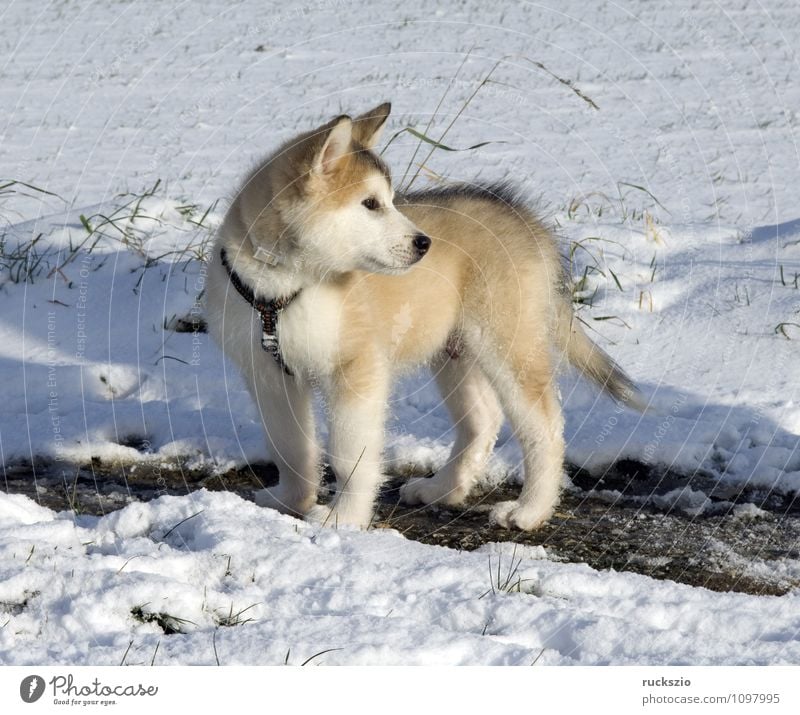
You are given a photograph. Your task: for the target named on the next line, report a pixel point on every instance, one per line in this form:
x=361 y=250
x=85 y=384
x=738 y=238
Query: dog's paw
x=513 y=515
x=333 y=516
x=427 y=490
x=283 y=501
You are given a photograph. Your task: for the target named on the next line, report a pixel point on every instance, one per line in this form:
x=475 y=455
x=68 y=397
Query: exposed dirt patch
x=623 y=521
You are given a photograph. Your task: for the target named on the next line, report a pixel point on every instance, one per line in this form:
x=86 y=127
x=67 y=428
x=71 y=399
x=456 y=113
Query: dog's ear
x=367 y=128
x=336 y=145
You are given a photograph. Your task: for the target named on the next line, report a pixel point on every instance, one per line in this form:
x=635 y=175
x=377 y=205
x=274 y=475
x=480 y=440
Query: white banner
x=401 y=691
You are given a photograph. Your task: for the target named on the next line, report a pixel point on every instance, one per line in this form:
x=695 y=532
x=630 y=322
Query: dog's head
x=325 y=202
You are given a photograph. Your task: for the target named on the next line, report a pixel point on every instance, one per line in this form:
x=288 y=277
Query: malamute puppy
x=322 y=278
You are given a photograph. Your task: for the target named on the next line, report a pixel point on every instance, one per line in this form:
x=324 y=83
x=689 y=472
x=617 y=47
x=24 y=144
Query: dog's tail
x=593 y=361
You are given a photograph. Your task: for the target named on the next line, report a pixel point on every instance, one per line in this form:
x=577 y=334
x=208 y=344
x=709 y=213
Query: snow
x=693 y=291
x=257 y=586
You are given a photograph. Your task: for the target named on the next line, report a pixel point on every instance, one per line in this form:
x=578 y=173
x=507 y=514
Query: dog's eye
x=371 y=203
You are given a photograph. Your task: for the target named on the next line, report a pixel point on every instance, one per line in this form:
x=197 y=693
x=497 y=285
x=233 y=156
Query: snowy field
x=670 y=175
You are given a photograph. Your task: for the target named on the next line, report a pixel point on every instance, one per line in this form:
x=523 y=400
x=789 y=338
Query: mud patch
x=659 y=524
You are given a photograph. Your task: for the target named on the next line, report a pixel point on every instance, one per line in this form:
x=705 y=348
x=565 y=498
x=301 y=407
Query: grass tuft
x=423 y=137
x=24 y=262
x=168 y=623
x=508 y=580
x=129 y=224
x=230 y=619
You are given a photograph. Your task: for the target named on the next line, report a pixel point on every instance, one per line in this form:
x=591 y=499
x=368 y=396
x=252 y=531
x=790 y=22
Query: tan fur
x=490 y=283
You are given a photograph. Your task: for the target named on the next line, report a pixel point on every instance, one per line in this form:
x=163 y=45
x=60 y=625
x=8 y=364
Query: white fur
x=350 y=237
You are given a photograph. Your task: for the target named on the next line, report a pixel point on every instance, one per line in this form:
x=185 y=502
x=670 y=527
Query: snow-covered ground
x=676 y=199
x=222 y=573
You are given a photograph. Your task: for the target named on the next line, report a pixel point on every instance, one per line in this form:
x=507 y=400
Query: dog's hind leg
x=356 y=401
x=477 y=418
x=287 y=413
x=526 y=386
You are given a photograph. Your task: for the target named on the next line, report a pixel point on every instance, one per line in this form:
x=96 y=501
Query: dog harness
x=268 y=310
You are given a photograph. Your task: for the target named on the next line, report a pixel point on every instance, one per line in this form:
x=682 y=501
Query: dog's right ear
x=336 y=146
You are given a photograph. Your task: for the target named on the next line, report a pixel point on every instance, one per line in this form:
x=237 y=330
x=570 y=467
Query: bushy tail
x=593 y=361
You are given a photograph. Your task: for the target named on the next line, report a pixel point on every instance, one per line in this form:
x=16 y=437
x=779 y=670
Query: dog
x=316 y=264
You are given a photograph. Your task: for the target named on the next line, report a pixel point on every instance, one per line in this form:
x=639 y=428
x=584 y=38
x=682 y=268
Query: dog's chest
x=309 y=329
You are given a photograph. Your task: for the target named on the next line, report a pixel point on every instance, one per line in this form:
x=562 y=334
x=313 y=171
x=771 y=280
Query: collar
x=268 y=310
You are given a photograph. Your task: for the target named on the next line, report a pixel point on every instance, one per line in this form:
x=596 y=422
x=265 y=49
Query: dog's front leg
x=356 y=403
x=288 y=416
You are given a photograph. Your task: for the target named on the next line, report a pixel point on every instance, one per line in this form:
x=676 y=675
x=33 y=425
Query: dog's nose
x=422 y=243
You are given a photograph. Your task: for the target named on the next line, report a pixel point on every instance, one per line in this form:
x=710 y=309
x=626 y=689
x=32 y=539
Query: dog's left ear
x=367 y=128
